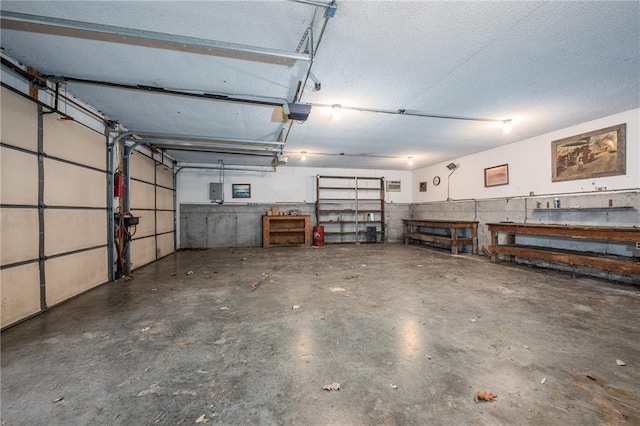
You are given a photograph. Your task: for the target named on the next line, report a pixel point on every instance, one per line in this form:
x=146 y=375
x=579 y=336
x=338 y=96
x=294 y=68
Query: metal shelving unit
x=347 y=205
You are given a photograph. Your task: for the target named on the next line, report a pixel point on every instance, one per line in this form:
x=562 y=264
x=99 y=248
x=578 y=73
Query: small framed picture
x=497 y=175
x=423 y=186
x=241 y=190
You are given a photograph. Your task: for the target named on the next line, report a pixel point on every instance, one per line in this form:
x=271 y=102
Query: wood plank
x=598 y=233
x=440 y=239
x=572 y=258
x=441 y=223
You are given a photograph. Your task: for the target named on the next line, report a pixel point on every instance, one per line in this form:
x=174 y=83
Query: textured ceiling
x=546 y=65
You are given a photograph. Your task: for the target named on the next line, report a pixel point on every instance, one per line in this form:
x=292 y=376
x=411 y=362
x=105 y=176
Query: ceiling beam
x=114 y=34
x=203 y=146
x=166 y=137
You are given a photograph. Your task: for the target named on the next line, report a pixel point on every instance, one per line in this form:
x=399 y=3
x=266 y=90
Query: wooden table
x=286 y=230
x=605 y=234
x=412 y=231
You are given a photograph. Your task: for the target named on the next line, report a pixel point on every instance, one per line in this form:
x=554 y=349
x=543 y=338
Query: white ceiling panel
x=546 y=65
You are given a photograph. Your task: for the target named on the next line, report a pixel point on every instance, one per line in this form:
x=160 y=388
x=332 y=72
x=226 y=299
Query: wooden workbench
x=417 y=230
x=619 y=264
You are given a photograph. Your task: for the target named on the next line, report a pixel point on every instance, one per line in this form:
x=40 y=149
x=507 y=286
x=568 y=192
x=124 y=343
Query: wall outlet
x=601 y=188
x=638 y=246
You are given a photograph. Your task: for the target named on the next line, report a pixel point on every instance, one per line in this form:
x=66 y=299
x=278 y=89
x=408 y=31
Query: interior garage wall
x=53 y=209
x=238 y=223
x=152 y=197
x=286 y=185
x=213 y=225
x=530 y=166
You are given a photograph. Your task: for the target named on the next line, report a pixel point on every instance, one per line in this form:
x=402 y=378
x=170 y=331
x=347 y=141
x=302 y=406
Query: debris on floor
x=352 y=277
x=393 y=386
x=255 y=284
x=224 y=308
x=332 y=387
x=173 y=274
x=592 y=378
x=542 y=382
x=146 y=329
x=335 y=289
x=190 y=273
x=427 y=356
x=620 y=362
x=485 y=396
x=202 y=419
x=58 y=399
x=295 y=307
x=473 y=320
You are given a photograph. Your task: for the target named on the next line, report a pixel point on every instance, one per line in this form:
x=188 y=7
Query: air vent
x=393 y=186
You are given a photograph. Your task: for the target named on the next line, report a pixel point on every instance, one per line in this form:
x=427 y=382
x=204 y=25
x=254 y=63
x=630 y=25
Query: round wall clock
x=436 y=180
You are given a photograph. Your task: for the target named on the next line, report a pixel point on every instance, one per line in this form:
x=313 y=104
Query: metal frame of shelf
x=357 y=206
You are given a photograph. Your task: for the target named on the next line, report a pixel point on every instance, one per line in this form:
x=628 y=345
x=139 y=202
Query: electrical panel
x=216 y=192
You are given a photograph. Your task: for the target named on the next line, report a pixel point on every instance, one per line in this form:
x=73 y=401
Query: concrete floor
x=170 y=345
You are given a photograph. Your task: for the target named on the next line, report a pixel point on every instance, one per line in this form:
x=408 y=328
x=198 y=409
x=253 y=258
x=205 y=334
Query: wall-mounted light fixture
x=453 y=167
x=410 y=161
x=303 y=155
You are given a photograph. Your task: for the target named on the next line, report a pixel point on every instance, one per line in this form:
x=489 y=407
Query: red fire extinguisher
x=118 y=187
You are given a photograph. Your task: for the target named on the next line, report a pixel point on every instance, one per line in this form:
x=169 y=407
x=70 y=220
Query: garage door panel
x=142 y=167
x=18 y=121
x=165 y=245
x=67 y=140
x=164 y=177
x=165 y=221
x=69 y=185
x=165 y=199
x=143 y=251
x=142 y=195
x=20 y=289
x=67 y=230
x=19 y=179
x=20 y=235
x=67 y=276
x=147 y=225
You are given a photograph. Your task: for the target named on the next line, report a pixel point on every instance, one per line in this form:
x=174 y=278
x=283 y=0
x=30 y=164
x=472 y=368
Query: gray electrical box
x=216 y=192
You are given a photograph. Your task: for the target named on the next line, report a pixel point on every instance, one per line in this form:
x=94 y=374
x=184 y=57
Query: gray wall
x=214 y=225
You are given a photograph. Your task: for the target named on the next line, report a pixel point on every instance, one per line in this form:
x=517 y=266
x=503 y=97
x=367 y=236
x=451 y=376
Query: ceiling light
x=410 y=160
x=336 y=111
x=506 y=126
x=303 y=156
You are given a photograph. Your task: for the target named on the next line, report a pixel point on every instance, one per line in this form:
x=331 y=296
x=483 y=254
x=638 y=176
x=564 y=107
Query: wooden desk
x=286 y=230
x=619 y=264
x=412 y=231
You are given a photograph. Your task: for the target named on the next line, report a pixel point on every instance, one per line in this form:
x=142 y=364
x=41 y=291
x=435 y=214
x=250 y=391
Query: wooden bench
x=413 y=230
x=612 y=263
